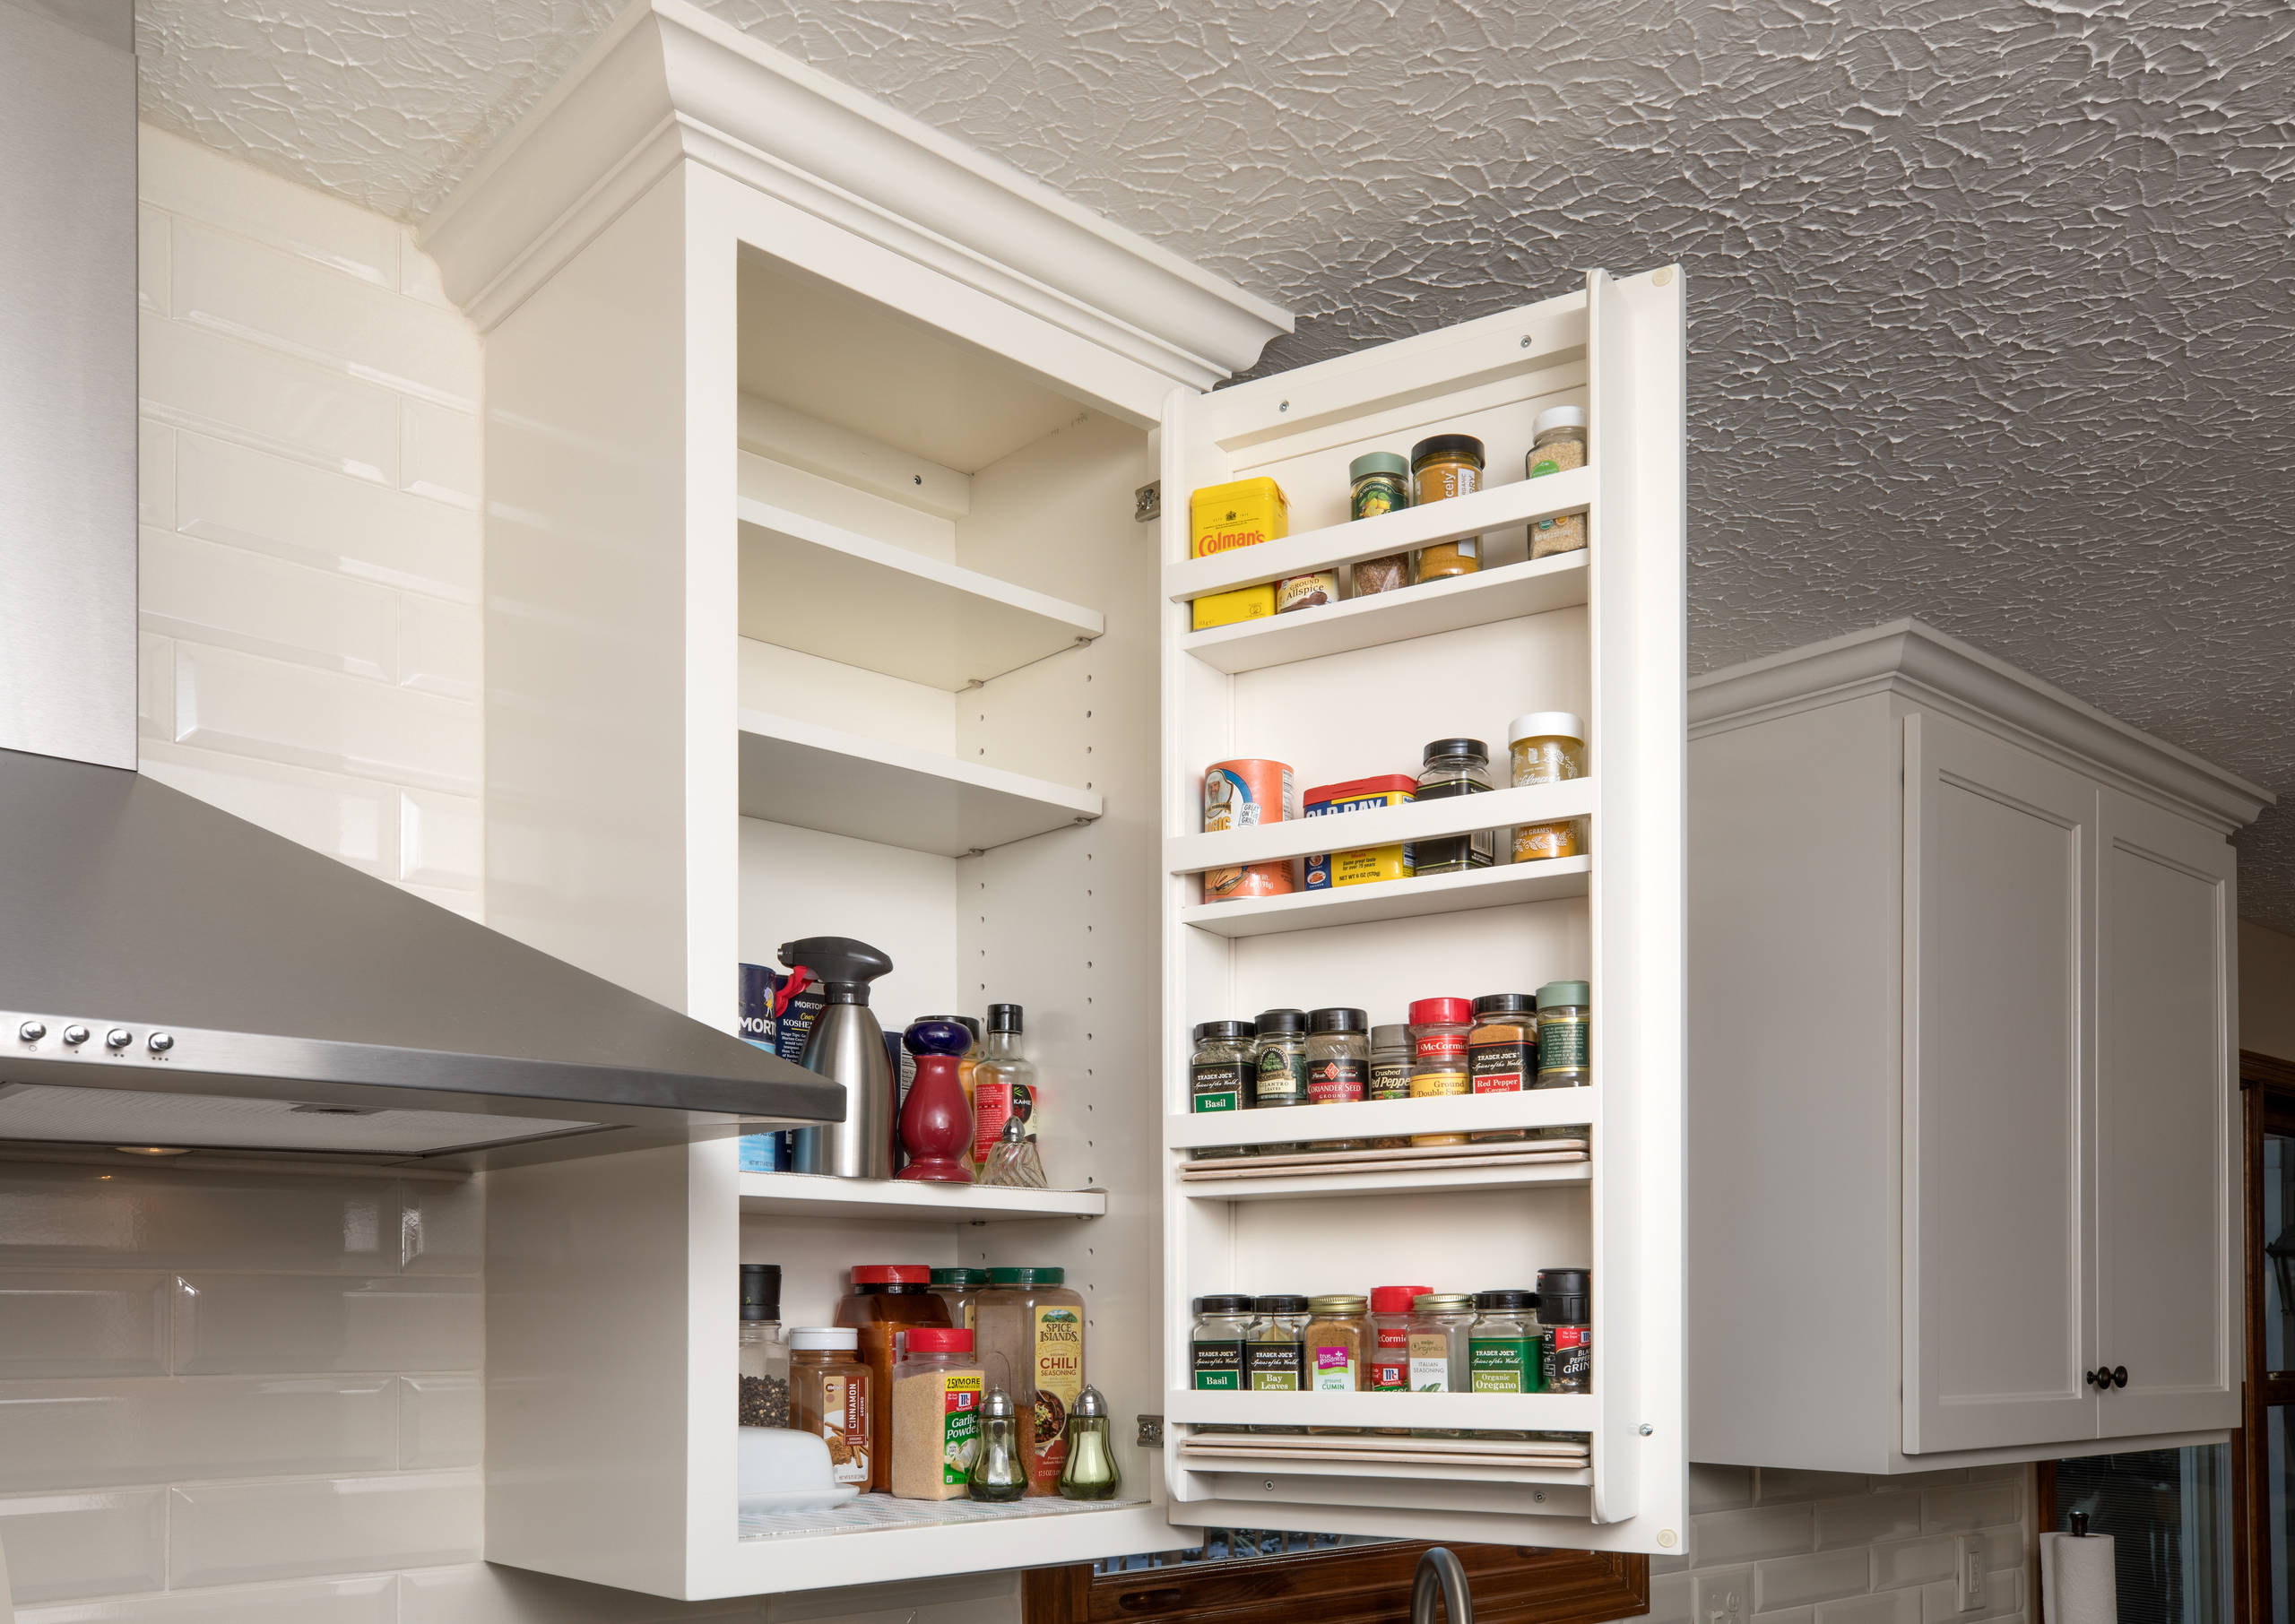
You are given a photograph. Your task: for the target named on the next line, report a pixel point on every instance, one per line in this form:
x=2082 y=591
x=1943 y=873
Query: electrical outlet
x=1723 y=1597
x=1971 y=1573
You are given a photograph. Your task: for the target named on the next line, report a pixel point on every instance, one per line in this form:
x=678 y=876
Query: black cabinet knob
x=2093 y=1378
x=2119 y=1375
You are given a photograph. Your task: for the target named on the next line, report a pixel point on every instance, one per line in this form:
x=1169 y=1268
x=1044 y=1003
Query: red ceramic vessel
x=935 y=1123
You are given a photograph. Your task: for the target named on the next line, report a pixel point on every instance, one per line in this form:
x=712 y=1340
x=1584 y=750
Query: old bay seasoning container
x=1242 y=512
x=1241 y=795
x=1365 y=863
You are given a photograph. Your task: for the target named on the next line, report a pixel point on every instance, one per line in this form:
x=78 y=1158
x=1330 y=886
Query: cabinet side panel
x=1793 y=840
x=585 y=609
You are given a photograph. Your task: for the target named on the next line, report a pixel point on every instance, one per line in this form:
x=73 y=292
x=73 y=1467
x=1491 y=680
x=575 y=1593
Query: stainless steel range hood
x=172 y=976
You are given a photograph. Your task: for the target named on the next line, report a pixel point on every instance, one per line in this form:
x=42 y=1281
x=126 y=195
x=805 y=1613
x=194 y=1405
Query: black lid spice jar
x=1566 y=1311
x=1455 y=766
x=1503 y=1354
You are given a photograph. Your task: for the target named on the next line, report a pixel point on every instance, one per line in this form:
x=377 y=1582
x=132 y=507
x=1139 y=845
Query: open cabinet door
x=1553 y=1177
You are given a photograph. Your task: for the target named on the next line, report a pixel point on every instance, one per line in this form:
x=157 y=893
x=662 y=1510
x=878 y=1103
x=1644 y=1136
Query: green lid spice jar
x=1380 y=483
x=1503 y=1354
x=1222 y=1326
x=958 y=1288
x=1565 y=1035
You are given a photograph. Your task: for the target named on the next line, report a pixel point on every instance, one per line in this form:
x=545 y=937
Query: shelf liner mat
x=873 y=1512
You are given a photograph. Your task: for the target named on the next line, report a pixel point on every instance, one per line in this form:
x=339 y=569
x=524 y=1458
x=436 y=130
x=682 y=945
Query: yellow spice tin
x=1242 y=512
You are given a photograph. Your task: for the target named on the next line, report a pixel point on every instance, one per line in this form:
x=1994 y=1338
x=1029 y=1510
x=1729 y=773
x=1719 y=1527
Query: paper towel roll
x=2080 y=1586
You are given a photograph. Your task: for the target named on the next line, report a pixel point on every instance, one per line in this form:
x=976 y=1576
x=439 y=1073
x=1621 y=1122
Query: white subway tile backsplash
x=1785 y=1582
x=152 y=257
x=441 y=1420
x=478 y=1594
x=252 y=499
x=1888 y=1514
x=1721 y=1593
x=208 y=592
x=1952 y=1508
x=368 y=1598
x=155 y=474
x=439 y=645
x=58 y=1215
x=284 y=1323
x=243 y=703
x=96 y=1434
x=2003 y=1597
x=1715 y=1488
x=470 y=904
x=232 y=1533
x=439 y=453
x=351 y=819
x=1670 y=1598
x=442 y=1226
x=441 y=839
x=1781 y=1484
x=155 y=688
x=84 y=1324
x=1886 y=1607
x=1761 y=1531
x=197 y=183
x=276 y=299
x=65 y=1545
x=195 y=378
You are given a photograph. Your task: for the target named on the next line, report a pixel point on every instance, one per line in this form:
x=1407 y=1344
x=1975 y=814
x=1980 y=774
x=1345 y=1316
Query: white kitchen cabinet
x=1960 y=1096
x=817 y=604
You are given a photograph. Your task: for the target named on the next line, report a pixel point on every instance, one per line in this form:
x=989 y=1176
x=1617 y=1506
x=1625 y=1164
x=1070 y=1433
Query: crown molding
x=667 y=83
x=1928 y=668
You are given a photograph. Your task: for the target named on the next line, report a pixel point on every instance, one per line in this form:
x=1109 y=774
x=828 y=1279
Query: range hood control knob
x=74 y=1035
x=161 y=1043
x=31 y=1032
x=118 y=1037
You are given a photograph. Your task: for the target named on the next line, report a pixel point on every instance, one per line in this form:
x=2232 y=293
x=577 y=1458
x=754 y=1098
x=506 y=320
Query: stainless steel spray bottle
x=848 y=1047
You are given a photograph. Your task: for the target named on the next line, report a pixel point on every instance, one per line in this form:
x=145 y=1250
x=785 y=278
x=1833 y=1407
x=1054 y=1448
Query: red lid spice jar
x=1438 y=1050
x=1390 y=1336
x=886 y=1300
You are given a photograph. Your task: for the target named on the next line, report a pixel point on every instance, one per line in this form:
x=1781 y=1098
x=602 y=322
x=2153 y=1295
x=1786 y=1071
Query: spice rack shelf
x=889 y=609
x=1508 y=592
x=1478 y=1412
x=1386 y=1118
x=1406 y=530
x=1399 y=899
x=1449 y=1470
x=1380 y=826
x=806 y=1195
x=874 y=1512
x=1397 y=1181
x=797 y=772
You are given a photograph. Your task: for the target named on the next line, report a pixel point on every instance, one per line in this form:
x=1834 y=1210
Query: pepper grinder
x=935 y=1123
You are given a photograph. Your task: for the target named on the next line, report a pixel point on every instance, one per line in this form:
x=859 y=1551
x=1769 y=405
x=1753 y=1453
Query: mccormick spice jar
x=887 y=1299
x=1241 y=795
x=1444 y=466
x=1565 y=1029
x=1558 y=442
x=1032 y=1345
x=1389 y=1074
x=1547 y=748
x=1454 y=767
x=935 y=1415
x=1379 y=483
x=830 y=1397
x=1242 y=512
x=1223 y=1325
x=1366 y=863
x=1438 y=1048
x=1336 y=1342
x=1502 y=1352
x=1566 y=1311
x=1389 y=1370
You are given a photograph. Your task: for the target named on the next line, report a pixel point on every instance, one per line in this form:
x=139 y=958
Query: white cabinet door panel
x=2162 y=1141
x=2000 y=863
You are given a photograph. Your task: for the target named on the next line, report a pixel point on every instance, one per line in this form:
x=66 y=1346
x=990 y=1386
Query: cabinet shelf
x=879 y=1512
x=1385 y=1119
x=808 y=1196
x=1406 y=530
x=1505 y=593
x=1397 y=899
x=1371 y=1182
x=1378 y=826
x=797 y=772
x=1485 y=1411
x=887 y=609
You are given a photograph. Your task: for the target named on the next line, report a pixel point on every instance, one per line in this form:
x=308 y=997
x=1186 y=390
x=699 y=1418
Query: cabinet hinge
x=1151 y=1432
x=1147 y=501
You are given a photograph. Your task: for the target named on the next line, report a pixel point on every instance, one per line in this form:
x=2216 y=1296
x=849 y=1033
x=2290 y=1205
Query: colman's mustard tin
x=1242 y=512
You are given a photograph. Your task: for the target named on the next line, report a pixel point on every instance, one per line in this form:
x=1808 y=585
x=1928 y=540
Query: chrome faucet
x=1438 y=1569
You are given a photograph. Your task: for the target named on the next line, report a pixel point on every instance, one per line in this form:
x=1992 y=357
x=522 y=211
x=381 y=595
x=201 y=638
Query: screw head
x=1526 y=340
x=118 y=1037
x=31 y=1032
x=159 y=1043
x=1283 y=406
x=75 y=1034
x=1647 y=1429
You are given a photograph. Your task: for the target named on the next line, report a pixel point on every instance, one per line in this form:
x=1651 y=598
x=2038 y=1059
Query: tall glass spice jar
x=1565 y=1035
x=1557 y=443
x=1338 y=1341
x=885 y=1301
x=1440 y=1340
x=1223 y=1326
x=1454 y=767
x=1281 y=1079
x=959 y=1288
x=1438 y=1047
x=1031 y=1343
x=1443 y=466
x=1547 y=748
x=1502 y=1052
x=1503 y=1354
x=1275 y=1361
x=1379 y=482
x=1339 y=1063
x=764 y=1354
x=1389 y=1074
x=1223 y=1072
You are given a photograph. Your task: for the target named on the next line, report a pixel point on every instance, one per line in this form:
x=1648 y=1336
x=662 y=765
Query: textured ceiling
x=1992 y=300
